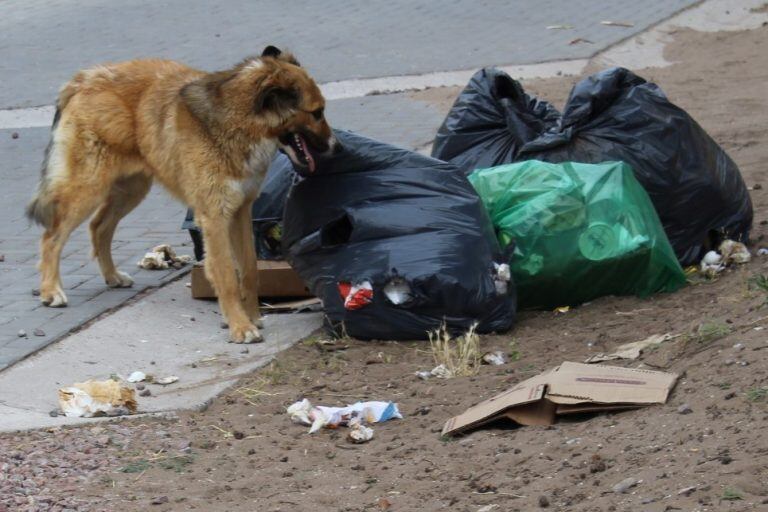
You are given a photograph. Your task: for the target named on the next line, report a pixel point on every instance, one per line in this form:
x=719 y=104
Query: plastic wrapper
x=96 y=398
x=613 y=115
x=578 y=231
x=396 y=243
x=359 y=413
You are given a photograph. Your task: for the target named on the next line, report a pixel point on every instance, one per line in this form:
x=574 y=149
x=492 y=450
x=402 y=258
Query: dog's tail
x=41 y=208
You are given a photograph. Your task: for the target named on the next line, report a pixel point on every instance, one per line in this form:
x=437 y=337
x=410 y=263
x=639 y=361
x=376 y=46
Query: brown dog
x=207 y=137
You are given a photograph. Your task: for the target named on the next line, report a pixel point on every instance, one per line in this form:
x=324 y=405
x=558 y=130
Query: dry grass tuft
x=460 y=356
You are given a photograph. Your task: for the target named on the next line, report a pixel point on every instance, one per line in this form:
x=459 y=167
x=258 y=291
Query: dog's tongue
x=307 y=154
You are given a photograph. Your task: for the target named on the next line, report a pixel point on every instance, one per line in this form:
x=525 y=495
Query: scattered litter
x=631 y=350
x=424 y=375
x=502 y=277
x=488 y=508
x=625 y=485
x=167 y=380
x=305 y=413
x=617 y=23
x=356 y=296
x=729 y=252
x=568 y=389
x=398 y=291
x=686 y=491
x=136 y=376
x=441 y=372
x=579 y=40
x=359 y=433
x=559 y=27
x=762 y=251
x=735 y=252
x=163 y=257
x=496 y=358
x=95 y=398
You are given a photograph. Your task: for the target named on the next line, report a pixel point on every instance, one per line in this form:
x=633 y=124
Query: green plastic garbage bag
x=577 y=232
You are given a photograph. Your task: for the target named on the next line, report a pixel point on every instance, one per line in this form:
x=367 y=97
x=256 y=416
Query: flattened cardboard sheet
x=568 y=389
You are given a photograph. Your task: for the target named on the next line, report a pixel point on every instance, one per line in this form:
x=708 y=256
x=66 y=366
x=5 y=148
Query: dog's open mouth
x=301 y=149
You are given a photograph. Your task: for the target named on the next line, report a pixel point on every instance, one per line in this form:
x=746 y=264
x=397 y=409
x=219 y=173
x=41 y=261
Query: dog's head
x=269 y=96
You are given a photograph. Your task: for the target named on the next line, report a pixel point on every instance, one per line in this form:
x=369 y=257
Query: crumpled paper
x=95 y=398
x=162 y=257
x=317 y=417
x=729 y=252
x=630 y=350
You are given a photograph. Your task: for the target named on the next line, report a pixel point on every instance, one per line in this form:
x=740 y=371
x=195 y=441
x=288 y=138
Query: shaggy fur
x=208 y=138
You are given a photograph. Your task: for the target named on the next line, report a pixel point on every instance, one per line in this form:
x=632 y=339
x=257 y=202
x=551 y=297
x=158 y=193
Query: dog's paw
x=247 y=334
x=53 y=299
x=119 y=280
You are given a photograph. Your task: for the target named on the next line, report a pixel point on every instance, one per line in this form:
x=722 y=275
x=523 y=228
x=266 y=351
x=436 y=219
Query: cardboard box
x=568 y=389
x=276 y=279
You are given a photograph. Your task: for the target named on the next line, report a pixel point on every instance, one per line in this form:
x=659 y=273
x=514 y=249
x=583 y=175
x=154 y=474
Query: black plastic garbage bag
x=396 y=243
x=614 y=115
x=266 y=213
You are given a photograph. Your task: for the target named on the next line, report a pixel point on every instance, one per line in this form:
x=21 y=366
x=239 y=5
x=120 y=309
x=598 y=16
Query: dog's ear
x=275 y=53
x=277 y=99
x=203 y=96
x=271 y=51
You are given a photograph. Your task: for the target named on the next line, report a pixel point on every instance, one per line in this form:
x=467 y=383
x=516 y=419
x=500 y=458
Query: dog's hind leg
x=124 y=195
x=66 y=218
x=221 y=270
x=245 y=252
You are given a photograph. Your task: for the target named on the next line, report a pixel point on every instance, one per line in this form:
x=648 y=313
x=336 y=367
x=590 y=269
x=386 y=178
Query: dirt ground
x=243 y=453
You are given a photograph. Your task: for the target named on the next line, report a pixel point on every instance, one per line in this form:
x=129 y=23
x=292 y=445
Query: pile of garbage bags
x=611 y=196
x=614 y=115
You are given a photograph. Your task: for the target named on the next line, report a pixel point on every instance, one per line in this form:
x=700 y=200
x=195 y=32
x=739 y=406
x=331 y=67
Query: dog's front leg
x=245 y=250
x=221 y=270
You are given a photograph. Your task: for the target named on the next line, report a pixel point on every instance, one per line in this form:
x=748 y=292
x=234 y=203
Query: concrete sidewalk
x=166 y=333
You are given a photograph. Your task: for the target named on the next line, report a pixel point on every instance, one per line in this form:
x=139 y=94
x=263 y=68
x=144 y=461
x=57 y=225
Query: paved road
x=43 y=42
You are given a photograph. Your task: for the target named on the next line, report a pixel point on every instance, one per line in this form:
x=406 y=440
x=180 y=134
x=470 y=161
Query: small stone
x=684 y=409
x=625 y=485
x=159 y=500
x=729 y=395
x=192 y=319
x=743 y=363
x=728 y=362
x=252 y=451
x=15 y=135
x=238 y=435
x=38 y=332
x=22 y=333
x=543 y=501
x=245 y=351
x=284 y=459
x=140 y=386
x=2 y=258
x=53 y=413
x=757 y=186
x=224 y=325
x=35 y=292
x=103 y=440
x=185 y=445
x=145 y=392
x=738 y=346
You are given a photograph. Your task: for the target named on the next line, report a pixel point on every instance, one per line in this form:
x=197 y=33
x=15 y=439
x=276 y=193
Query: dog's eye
x=318 y=114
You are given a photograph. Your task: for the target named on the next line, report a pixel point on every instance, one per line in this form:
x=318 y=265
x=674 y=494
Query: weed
x=730 y=494
x=724 y=385
x=275 y=373
x=708 y=332
x=757 y=394
x=135 y=467
x=514 y=350
x=461 y=355
x=177 y=464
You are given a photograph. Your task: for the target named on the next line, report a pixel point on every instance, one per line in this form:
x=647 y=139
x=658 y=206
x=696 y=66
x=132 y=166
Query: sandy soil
x=243 y=453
